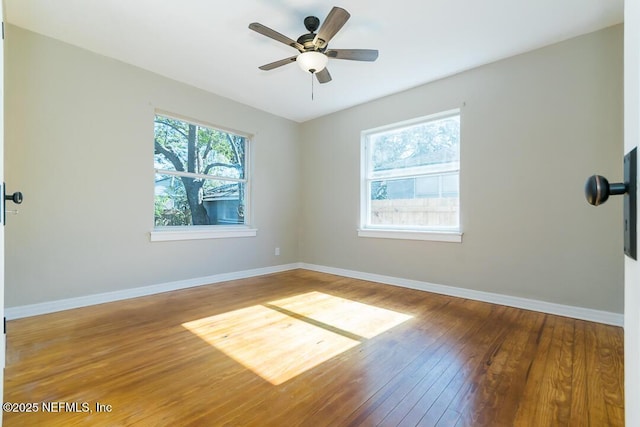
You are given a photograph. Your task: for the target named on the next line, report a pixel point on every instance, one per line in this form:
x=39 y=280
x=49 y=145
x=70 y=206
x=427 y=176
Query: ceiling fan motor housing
x=306 y=40
x=311 y=23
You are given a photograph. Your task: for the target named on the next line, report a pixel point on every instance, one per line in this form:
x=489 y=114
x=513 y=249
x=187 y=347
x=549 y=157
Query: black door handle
x=597 y=189
x=15 y=197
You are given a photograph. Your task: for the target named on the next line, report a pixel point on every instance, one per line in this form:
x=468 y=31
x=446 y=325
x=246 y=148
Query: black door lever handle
x=15 y=197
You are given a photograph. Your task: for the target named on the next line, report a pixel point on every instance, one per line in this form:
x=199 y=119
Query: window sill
x=435 y=236
x=165 y=235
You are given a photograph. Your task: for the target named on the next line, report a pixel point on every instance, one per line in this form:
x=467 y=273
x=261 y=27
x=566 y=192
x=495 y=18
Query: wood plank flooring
x=311 y=349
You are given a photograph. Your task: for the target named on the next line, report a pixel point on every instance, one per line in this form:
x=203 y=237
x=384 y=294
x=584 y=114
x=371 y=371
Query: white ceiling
x=207 y=43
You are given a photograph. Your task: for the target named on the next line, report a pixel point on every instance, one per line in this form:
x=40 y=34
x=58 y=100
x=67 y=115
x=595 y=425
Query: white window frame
x=448 y=234
x=197 y=232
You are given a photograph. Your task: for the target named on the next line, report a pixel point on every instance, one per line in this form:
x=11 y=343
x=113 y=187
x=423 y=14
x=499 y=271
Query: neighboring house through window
x=201 y=182
x=410 y=179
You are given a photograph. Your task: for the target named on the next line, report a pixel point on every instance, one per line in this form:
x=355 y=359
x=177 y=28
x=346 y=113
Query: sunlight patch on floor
x=284 y=338
x=354 y=317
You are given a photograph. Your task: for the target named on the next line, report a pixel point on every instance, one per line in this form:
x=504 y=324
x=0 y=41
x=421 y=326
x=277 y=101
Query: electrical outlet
x=277 y=252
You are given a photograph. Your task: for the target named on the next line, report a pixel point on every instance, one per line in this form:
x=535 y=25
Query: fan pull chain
x=311 y=86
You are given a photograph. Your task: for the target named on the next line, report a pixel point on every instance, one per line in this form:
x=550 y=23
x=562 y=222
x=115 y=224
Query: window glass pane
x=224 y=201
x=211 y=202
x=401 y=188
x=378 y=190
x=429 y=143
x=223 y=153
x=171 y=207
x=171 y=142
x=450 y=185
x=428 y=186
x=187 y=147
x=413 y=210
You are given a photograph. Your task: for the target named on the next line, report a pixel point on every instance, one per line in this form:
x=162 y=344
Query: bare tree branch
x=232 y=142
x=213 y=165
x=191 y=149
x=202 y=157
x=170 y=155
x=171 y=125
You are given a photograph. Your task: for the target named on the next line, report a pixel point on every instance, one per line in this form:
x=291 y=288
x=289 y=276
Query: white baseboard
x=84 y=301
x=591 y=315
x=606 y=317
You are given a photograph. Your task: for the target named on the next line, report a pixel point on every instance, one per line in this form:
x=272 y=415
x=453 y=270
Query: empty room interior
x=302 y=213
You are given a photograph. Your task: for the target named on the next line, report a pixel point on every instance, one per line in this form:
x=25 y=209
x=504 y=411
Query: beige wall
x=533 y=128
x=79 y=144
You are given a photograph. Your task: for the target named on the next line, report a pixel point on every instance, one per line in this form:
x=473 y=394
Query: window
x=201 y=181
x=410 y=179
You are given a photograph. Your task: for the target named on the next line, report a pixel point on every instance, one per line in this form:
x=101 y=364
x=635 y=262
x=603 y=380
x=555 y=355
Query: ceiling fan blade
x=353 y=54
x=279 y=63
x=266 y=31
x=331 y=25
x=323 y=76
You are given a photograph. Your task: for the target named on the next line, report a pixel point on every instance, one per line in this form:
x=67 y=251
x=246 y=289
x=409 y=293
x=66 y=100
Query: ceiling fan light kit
x=313 y=48
x=312 y=61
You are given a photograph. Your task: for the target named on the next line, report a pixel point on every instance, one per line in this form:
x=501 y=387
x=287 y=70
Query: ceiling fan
x=314 y=55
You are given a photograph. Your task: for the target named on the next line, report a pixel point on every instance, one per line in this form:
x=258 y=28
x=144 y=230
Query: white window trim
x=434 y=236
x=393 y=232
x=166 y=234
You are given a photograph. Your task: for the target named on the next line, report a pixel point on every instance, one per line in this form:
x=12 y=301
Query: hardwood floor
x=312 y=349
